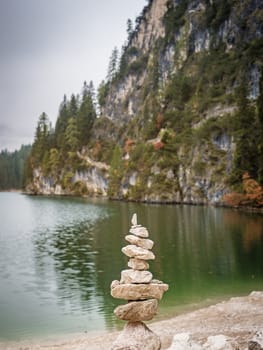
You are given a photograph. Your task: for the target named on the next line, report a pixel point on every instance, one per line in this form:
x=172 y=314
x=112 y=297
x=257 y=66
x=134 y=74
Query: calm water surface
x=58 y=257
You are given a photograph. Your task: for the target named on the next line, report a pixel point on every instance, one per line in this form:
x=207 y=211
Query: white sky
x=48 y=48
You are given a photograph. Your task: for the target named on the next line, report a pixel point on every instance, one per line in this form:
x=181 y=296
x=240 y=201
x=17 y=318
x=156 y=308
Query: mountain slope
x=181 y=118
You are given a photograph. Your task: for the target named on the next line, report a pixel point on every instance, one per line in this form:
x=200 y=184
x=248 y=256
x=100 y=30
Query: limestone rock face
x=137 y=336
x=138 y=264
x=133 y=276
x=137 y=310
x=133 y=251
x=131 y=291
x=143 y=243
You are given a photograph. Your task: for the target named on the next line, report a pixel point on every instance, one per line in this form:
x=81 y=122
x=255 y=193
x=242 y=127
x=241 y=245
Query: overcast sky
x=48 y=48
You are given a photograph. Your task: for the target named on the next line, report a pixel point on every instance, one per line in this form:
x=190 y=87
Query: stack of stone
x=138 y=287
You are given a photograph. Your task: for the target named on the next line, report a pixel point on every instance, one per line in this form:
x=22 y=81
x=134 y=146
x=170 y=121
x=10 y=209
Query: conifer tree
x=42 y=138
x=113 y=65
x=86 y=114
x=61 y=124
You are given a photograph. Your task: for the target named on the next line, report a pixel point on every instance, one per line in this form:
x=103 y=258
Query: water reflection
x=56 y=269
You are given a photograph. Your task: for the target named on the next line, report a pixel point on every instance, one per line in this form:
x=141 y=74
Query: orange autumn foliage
x=158 y=145
x=252 y=196
x=129 y=143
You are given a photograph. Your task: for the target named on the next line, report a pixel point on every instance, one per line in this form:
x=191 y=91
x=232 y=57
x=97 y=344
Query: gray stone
x=138 y=264
x=219 y=342
x=131 y=291
x=132 y=251
x=136 y=336
x=183 y=341
x=137 y=310
x=256 y=343
x=140 y=242
x=133 y=276
x=140 y=231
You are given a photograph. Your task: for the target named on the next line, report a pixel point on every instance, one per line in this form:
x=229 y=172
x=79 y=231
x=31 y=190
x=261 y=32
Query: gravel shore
x=239 y=318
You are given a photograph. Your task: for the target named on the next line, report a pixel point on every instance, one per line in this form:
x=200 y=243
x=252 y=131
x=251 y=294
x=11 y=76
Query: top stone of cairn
x=138 y=230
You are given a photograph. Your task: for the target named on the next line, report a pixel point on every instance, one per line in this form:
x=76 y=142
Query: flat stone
x=133 y=276
x=132 y=251
x=137 y=336
x=140 y=242
x=140 y=231
x=137 y=310
x=134 y=219
x=131 y=291
x=138 y=264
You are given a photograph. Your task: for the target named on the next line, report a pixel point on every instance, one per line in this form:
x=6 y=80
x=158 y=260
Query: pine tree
x=87 y=114
x=129 y=29
x=42 y=138
x=113 y=65
x=61 y=124
x=72 y=134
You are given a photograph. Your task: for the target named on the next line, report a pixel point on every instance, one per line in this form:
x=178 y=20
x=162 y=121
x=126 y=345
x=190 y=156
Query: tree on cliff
x=87 y=114
x=42 y=141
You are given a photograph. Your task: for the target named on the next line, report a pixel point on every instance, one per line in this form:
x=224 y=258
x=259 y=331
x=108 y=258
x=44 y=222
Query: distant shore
x=238 y=318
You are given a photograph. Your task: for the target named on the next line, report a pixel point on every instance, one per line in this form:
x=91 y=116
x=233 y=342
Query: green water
x=58 y=257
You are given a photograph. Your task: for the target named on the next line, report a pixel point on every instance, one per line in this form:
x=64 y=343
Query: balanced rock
x=131 y=291
x=140 y=231
x=138 y=264
x=137 y=310
x=133 y=276
x=140 y=242
x=132 y=251
x=137 y=336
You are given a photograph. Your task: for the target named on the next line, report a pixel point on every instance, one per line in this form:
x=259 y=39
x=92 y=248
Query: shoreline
x=247 y=209
x=238 y=318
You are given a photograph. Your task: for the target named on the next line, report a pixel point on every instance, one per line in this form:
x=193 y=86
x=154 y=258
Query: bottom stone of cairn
x=137 y=336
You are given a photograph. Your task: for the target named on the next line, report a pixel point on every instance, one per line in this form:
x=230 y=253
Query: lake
x=58 y=257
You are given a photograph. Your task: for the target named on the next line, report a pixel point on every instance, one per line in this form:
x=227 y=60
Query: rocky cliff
x=181 y=109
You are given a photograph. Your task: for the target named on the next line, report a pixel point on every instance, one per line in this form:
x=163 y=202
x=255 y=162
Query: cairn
x=142 y=292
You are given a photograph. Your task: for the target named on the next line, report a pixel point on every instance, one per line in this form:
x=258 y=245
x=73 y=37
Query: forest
x=12 y=168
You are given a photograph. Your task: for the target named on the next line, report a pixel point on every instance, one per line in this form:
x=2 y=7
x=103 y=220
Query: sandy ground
x=239 y=318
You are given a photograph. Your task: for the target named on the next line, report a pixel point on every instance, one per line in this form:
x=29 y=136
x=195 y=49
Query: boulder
x=256 y=343
x=138 y=264
x=131 y=291
x=132 y=251
x=183 y=341
x=136 y=336
x=133 y=276
x=220 y=342
x=140 y=242
x=137 y=310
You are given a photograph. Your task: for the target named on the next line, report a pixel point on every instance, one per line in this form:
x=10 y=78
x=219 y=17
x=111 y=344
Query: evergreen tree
x=247 y=138
x=72 y=135
x=129 y=29
x=61 y=124
x=113 y=65
x=103 y=90
x=86 y=115
x=42 y=138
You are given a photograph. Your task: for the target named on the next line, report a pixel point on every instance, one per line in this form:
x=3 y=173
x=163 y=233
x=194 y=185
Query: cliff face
x=191 y=56
x=174 y=106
